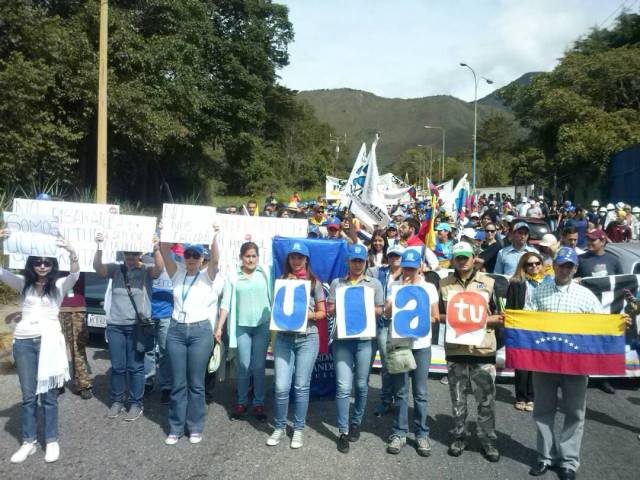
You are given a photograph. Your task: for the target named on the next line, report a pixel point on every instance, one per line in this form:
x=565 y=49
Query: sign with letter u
x=290 y=305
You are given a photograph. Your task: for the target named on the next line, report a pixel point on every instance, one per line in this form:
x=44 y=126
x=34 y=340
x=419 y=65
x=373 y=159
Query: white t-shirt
x=431 y=290
x=195 y=297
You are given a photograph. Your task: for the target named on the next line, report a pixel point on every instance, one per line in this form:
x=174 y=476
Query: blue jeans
x=156 y=362
x=419 y=387
x=382 y=333
x=251 y=358
x=349 y=357
x=189 y=346
x=294 y=357
x=26 y=352
x=127 y=364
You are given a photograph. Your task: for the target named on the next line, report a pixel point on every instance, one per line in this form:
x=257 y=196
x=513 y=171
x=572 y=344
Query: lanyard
x=186 y=294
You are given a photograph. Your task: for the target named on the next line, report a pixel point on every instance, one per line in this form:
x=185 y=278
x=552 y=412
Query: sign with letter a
x=355 y=312
x=411 y=312
x=290 y=305
x=466 y=318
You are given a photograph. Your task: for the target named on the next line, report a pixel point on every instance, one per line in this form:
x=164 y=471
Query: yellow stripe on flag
x=569 y=323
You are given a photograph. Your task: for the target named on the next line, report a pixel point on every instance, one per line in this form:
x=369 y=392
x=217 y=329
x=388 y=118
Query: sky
x=413 y=48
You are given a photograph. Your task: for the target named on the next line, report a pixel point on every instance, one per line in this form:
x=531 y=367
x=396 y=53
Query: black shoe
x=382 y=410
x=606 y=387
x=343 y=443
x=148 y=388
x=354 y=433
x=491 y=453
x=61 y=390
x=566 y=474
x=457 y=447
x=86 y=394
x=540 y=468
x=165 y=396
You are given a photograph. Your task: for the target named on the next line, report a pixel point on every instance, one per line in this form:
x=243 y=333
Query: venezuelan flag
x=568 y=343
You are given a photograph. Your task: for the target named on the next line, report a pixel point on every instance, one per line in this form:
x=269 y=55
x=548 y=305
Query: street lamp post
x=337 y=140
x=443 y=138
x=475 y=120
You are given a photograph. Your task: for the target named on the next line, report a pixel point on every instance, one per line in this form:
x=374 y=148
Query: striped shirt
x=572 y=298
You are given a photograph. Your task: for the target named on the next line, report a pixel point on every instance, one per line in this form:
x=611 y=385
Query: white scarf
x=53 y=364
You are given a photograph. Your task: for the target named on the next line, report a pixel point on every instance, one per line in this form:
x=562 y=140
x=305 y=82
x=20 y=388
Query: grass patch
x=281 y=196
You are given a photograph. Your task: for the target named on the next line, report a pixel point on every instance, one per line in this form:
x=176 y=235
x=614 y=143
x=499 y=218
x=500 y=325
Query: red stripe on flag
x=566 y=363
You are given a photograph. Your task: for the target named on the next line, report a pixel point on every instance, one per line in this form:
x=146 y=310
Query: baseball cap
x=548 y=240
x=480 y=235
x=443 y=226
x=357 y=252
x=314 y=230
x=334 y=222
x=508 y=218
x=474 y=215
x=299 y=248
x=520 y=225
x=571 y=209
x=469 y=232
x=410 y=258
x=566 y=254
x=597 y=234
x=462 y=249
x=392 y=225
x=603 y=209
x=194 y=247
x=395 y=250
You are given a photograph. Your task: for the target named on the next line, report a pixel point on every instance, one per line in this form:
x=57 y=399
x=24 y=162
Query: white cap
x=524 y=199
x=610 y=206
x=474 y=214
x=540 y=197
x=469 y=232
x=635 y=210
x=595 y=203
x=620 y=205
x=548 y=240
x=602 y=209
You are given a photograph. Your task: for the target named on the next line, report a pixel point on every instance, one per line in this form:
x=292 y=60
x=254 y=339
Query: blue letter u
x=295 y=320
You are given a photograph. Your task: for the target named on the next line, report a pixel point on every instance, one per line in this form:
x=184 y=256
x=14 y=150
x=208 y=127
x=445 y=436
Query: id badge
x=182 y=318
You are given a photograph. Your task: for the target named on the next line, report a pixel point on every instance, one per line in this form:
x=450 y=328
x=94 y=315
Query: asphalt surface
x=93 y=447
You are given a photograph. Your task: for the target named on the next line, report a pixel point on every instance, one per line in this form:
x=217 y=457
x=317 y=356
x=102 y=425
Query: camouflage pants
x=76 y=335
x=480 y=379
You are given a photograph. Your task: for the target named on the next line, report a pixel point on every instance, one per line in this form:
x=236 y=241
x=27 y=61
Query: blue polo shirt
x=508 y=258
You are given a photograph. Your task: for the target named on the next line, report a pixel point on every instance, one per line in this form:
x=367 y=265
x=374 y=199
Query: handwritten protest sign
x=290 y=305
x=238 y=229
x=355 y=312
x=77 y=222
x=31 y=235
x=466 y=318
x=411 y=312
x=187 y=223
x=129 y=233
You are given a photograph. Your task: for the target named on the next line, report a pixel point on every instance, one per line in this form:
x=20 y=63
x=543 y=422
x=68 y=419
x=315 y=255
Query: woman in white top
x=190 y=336
x=421 y=349
x=38 y=347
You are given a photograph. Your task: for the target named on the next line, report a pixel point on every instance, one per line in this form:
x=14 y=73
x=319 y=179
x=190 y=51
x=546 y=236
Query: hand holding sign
x=290 y=305
x=466 y=318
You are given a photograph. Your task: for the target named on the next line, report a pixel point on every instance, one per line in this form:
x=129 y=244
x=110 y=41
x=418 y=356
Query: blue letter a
x=403 y=320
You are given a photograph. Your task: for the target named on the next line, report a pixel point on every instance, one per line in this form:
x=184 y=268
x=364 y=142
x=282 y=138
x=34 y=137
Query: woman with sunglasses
x=490 y=246
x=294 y=354
x=39 y=349
x=247 y=305
x=190 y=337
x=378 y=249
x=528 y=276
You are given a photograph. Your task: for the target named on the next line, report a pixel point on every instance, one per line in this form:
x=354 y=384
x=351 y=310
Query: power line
x=603 y=24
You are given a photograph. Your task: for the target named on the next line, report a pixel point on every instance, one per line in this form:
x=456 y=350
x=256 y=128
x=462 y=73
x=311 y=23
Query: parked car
x=537 y=228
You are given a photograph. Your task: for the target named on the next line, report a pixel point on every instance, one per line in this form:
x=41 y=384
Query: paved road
x=94 y=447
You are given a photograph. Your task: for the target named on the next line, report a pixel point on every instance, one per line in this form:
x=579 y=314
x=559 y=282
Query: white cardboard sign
x=187 y=223
x=291 y=300
x=355 y=312
x=31 y=234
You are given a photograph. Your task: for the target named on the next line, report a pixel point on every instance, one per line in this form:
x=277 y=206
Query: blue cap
x=566 y=254
x=392 y=225
x=571 y=209
x=298 y=247
x=396 y=249
x=410 y=258
x=314 y=230
x=194 y=247
x=357 y=252
x=43 y=196
x=443 y=226
x=480 y=235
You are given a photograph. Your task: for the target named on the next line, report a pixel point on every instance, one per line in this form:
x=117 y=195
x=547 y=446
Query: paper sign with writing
x=411 y=312
x=31 y=235
x=78 y=223
x=466 y=318
x=129 y=233
x=291 y=300
x=187 y=223
x=355 y=312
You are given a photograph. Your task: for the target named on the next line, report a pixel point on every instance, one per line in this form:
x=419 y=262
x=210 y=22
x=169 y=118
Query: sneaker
x=115 y=410
x=195 y=438
x=171 y=440
x=258 y=412
x=238 y=412
x=52 y=453
x=354 y=433
x=457 y=447
x=25 y=450
x=165 y=397
x=423 y=446
x=529 y=407
x=343 y=443
x=133 y=414
x=382 y=410
x=86 y=394
x=275 y=437
x=444 y=380
x=396 y=442
x=491 y=453
x=297 y=439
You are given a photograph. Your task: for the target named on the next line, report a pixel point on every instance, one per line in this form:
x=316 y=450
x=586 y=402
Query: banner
x=31 y=235
x=355 y=312
x=333 y=187
x=291 y=299
x=129 y=233
x=411 y=312
x=394 y=189
x=78 y=223
x=466 y=318
x=187 y=223
x=566 y=343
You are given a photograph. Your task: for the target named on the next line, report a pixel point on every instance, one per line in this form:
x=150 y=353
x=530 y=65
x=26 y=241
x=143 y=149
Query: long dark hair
x=30 y=277
x=372 y=253
x=286 y=271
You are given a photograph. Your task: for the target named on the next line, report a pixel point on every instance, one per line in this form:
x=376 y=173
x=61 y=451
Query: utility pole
x=337 y=140
x=101 y=168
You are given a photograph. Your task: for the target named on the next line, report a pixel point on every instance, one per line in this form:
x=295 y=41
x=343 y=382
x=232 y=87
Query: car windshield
x=537 y=230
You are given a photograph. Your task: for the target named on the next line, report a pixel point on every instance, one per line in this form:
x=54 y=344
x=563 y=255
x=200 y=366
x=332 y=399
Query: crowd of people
x=169 y=308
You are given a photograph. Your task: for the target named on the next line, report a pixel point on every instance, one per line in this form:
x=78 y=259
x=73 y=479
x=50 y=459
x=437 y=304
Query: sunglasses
x=194 y=255
x=533 y=264
x=42 y=262
x=490 y=231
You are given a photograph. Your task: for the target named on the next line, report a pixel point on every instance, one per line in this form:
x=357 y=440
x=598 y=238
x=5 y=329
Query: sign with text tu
x=291 y=300
x=355 y=312
x=467 y=314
